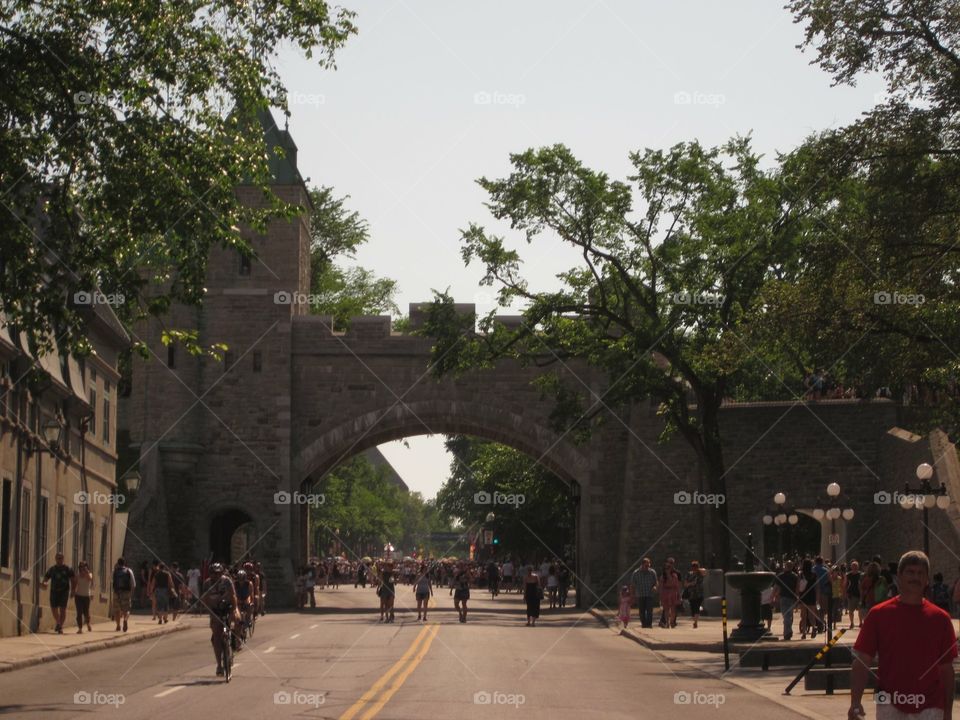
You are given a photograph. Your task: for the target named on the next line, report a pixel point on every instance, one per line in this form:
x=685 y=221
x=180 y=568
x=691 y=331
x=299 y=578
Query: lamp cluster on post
x=781 y=515
x=925 y=498
x=833 y=511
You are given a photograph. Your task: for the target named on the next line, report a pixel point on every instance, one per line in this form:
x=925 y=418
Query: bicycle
x=226 y=648
x=249 y=621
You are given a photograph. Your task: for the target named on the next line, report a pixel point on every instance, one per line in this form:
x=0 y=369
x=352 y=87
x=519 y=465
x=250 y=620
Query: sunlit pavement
x=337 y=661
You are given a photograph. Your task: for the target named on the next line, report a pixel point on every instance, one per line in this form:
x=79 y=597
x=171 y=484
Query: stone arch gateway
x=292 y=397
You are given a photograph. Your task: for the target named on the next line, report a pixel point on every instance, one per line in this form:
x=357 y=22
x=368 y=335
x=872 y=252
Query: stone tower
x=214 y=437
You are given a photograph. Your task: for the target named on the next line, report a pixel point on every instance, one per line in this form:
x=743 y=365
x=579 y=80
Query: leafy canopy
x=127 y=128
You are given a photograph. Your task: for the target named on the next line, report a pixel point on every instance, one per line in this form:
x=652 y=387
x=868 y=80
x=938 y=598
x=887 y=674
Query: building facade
x=58 y=456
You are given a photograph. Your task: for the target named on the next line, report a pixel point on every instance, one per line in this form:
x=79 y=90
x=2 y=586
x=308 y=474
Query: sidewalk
x=701 y=649
x=33 y=649
x=709 y=636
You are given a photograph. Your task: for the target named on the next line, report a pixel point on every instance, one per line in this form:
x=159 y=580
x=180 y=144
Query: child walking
x=626 y=602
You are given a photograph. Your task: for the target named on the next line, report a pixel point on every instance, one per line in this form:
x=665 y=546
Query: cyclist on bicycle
x=219 y=597
x=246 y=589
x=261 y=589
x=254 y=579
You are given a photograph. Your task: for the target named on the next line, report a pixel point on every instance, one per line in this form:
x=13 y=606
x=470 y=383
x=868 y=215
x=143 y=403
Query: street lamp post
x=925 y=498
x=780 y=516
x=833 y=512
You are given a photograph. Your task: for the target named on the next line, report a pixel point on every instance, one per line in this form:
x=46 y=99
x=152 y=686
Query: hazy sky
x=432 y=95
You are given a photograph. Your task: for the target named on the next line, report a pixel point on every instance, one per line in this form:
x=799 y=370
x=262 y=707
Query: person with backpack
x=123 y=586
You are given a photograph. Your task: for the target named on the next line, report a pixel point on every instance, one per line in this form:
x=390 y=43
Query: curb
x=85 y=648
x=749 y=687
x=709 y=646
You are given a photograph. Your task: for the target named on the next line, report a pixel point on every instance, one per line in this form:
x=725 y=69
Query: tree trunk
x=714 y=470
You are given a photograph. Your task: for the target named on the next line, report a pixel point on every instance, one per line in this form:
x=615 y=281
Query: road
x=338 y=662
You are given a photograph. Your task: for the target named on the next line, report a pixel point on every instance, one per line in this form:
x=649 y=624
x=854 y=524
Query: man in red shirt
x=916 y=645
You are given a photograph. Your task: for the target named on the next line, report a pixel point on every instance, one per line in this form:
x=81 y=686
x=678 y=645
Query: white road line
x=294 y=637
x=270 y=649
x=170 y=691
x=314 y=627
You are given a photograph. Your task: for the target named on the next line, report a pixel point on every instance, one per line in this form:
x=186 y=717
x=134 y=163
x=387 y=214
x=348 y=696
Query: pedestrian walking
x=423 y=591
x=553 y=584
x=493 y=578
x=809 y=622
x=178 y=590
x=644 y=581
x=915 y=645
x=563 y=588
x=123 y=584
x=461 y=592
x=507 y=571
x=311 y=583
x=626 y=602
x=60 y=578
x=851 y=593
x=386 y=592
x=693 y=590
x=162 y=586
x=532 y=595
x=669 y=594
x=193 y=586
x=786 y=590
x=82 y=589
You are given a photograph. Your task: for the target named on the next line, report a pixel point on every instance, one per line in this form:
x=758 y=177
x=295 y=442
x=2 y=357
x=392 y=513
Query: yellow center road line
x=401 y=678
x=375 y=688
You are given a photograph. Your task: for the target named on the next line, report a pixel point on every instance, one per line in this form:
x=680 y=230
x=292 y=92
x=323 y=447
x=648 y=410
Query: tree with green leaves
x=127 y=128
x=880 y=286
x=542 y=525
x=673 y=261
x=364 y=509
x=343 y=292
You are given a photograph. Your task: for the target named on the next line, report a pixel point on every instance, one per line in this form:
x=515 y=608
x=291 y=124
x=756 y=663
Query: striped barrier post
x=726 y=643
x=816 y=658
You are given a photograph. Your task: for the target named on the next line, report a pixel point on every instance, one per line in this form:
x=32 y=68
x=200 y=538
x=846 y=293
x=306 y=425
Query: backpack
x=121 y=579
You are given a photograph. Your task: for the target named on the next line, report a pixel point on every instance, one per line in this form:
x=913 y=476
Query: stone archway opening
x=494 y=530
x=231 y=535
x=788 y=541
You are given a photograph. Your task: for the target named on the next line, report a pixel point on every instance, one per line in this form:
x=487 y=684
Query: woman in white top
x=82 y=588
x=552 y=585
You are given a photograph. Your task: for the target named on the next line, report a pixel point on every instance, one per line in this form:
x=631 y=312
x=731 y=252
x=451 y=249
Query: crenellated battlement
x=378 y=327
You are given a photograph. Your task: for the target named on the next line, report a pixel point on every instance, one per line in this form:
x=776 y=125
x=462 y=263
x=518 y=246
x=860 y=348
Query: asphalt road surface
x=338 y=662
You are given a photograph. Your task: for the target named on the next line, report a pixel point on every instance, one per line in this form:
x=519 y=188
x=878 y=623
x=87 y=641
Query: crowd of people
x=548 y=580
x=165 y=589
x=821 y=592
x=811 y=589
x=668 y=587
